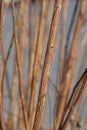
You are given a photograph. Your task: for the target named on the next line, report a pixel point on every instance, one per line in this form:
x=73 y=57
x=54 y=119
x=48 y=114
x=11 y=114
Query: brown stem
x=2 y=125
x=18 y=66
x=78 y=111
x=47 y=65
x=37 y=62
x=81 y=91
x=70 y=70
x=68 y=38
x=13 y=102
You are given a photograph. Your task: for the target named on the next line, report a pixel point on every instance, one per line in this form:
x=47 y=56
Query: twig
x=69 y=74
x=5 y=63
x=18 y=66
x=78 y=111
x=47 y=65
x=2 y=125
x=37 y=61
x=68 y=38
x=83 y=81
x=13 y=102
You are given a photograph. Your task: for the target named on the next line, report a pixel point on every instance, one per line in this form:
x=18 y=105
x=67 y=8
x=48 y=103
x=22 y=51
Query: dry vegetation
x=39 y=35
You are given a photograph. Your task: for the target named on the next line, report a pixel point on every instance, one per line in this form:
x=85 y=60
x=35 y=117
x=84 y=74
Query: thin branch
x=18 y=66
x=5 y=63
x=47 y=65
x=78 y=111
x=68 y=38
x=83 y=81
x=37 y=61
x=69 y=74
x=2 y=125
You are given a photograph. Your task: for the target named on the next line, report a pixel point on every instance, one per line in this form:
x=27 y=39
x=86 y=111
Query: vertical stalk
x=47 y=65
x=19 y=66
x=69 y=74
x=33 y=25
x=68 y=38
x=72 y=56
x=37 y=63
x=61 y=54
x=2 y=127
x=81 y=92
x=11 y=120
x=15 y=77
x=78 y=111
x=21 y=40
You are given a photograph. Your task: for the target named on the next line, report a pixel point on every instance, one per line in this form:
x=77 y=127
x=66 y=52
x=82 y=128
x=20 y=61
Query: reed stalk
x=47 y=65
x=37 y=62
x=69 y=73
x=2 y=125
x=19 y=66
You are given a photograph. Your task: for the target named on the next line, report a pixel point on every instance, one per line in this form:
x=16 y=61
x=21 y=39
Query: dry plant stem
x=50 y=5
x=2 y=82
x=75 y=93
x=61 y=57
x=47 y=65
x=72 y=56
x=7 y=56
x=37 y=62
x=71 y=60
x=18 y=66
x=61 y=46
x=21 y=40
x=21 y=33
x=5 y=62
x=7 y=76
x=20 y=122
x=15 y=80
x=68 y=38
x=32 y=55
x=65 y=53
x=83 y=60
x=9 y=51
x=78 y=110
x=11 y=119
x=69 y=74
x=2 y=125
x=82 y=45
x=76 y=90
x=32 y=43
x=81 y=92
x=61 y=49
x=33 y=17
x=66 y=5
x=19 y=125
